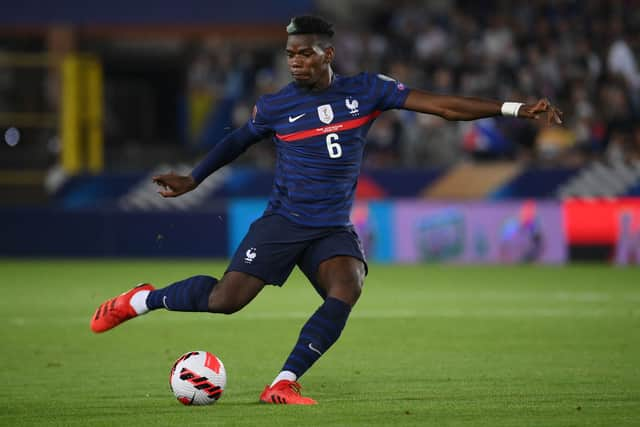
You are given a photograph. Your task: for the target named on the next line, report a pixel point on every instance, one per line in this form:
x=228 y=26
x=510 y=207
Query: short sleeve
x=259 y=122
x=389 y=92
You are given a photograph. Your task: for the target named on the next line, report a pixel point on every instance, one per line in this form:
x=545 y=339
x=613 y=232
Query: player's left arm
x=468 y=108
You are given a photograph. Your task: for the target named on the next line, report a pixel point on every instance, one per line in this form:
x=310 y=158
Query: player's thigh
x=336 y=264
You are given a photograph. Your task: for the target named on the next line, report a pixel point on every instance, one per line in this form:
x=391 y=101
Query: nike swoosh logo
x=293 y=119
x=164 y=302
x=312 y=348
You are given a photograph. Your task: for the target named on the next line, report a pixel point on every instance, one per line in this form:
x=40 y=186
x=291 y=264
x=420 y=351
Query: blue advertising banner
x=372 y=221
x=411 y=231
x=241 y=213
x=514 y=232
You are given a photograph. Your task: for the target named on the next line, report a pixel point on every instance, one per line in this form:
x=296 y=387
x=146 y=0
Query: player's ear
x=328 y=54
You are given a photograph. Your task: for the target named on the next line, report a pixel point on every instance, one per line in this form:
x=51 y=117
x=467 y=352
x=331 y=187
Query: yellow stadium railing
x=81 y=118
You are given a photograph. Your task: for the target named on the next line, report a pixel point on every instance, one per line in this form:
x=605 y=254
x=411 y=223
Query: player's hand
x=174 y=185
x=542 y=107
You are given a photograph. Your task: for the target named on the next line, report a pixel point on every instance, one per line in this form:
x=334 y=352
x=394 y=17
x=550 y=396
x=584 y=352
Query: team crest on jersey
x=325 y=113
x=352 y=105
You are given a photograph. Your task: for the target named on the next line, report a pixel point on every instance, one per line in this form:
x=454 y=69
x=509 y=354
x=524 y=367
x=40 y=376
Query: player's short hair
x=309 y=24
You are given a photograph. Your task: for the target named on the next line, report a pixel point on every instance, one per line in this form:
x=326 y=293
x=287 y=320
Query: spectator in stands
x=634 y=154
x=621 y=61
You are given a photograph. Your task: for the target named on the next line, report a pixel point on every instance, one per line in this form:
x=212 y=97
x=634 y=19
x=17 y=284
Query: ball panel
x=198 y=378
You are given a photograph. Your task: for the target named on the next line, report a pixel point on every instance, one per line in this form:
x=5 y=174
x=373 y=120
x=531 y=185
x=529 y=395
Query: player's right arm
x=225 y=151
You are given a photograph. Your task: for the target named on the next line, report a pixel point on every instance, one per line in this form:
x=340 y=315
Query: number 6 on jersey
x=334 y=149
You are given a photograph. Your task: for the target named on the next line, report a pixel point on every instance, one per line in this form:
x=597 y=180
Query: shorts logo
x=352 y=105
x=250 y=255
x=325 y=113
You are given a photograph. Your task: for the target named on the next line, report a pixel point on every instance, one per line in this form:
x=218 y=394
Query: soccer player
x=318 y=124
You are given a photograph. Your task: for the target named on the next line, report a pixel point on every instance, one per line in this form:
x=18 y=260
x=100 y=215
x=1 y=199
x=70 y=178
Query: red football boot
x=116 y=310
x=285 y=392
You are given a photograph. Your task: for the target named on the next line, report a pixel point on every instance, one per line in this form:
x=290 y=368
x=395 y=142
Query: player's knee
x=231 y=295
x=227 y=309
x=225 y=302
x=357 y=283
x=356 y=290
x=348 y=290
x=221 y=305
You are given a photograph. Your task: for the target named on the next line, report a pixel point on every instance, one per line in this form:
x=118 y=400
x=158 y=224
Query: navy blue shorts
x=274 y=245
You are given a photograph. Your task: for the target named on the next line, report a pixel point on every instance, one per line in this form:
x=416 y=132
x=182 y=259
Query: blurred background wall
x=96 y=97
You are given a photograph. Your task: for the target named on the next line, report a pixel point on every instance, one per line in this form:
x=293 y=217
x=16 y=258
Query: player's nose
x=295 y=62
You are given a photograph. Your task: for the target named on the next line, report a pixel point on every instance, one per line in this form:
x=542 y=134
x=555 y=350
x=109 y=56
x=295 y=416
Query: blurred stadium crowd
x=162 y=89
x=582 y=55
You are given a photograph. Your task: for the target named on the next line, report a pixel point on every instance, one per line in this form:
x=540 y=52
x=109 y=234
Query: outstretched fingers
x=167 y=190
x=544 y=106
x=174 y=185
x=555 y=115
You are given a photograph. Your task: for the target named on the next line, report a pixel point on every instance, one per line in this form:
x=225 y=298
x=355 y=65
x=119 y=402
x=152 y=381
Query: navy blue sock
x=317 y=335
x=190 y=294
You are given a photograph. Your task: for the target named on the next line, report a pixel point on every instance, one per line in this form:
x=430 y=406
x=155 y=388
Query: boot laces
x=295 y=387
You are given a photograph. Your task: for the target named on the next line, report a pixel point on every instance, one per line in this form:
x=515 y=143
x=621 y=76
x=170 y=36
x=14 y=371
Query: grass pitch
x=426 y=345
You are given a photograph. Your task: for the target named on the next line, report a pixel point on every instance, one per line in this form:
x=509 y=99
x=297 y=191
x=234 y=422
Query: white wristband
x=511 y=108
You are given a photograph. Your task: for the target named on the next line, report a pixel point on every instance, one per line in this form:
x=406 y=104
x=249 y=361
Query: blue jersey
x=320 y=138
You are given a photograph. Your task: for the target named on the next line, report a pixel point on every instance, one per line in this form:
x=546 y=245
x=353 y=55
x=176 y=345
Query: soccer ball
x=198 y=378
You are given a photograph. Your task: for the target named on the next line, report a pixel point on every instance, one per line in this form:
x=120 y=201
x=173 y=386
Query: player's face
x=308 y=62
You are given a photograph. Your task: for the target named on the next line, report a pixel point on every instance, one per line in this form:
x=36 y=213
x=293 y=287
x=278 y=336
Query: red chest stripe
x=334 y=127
